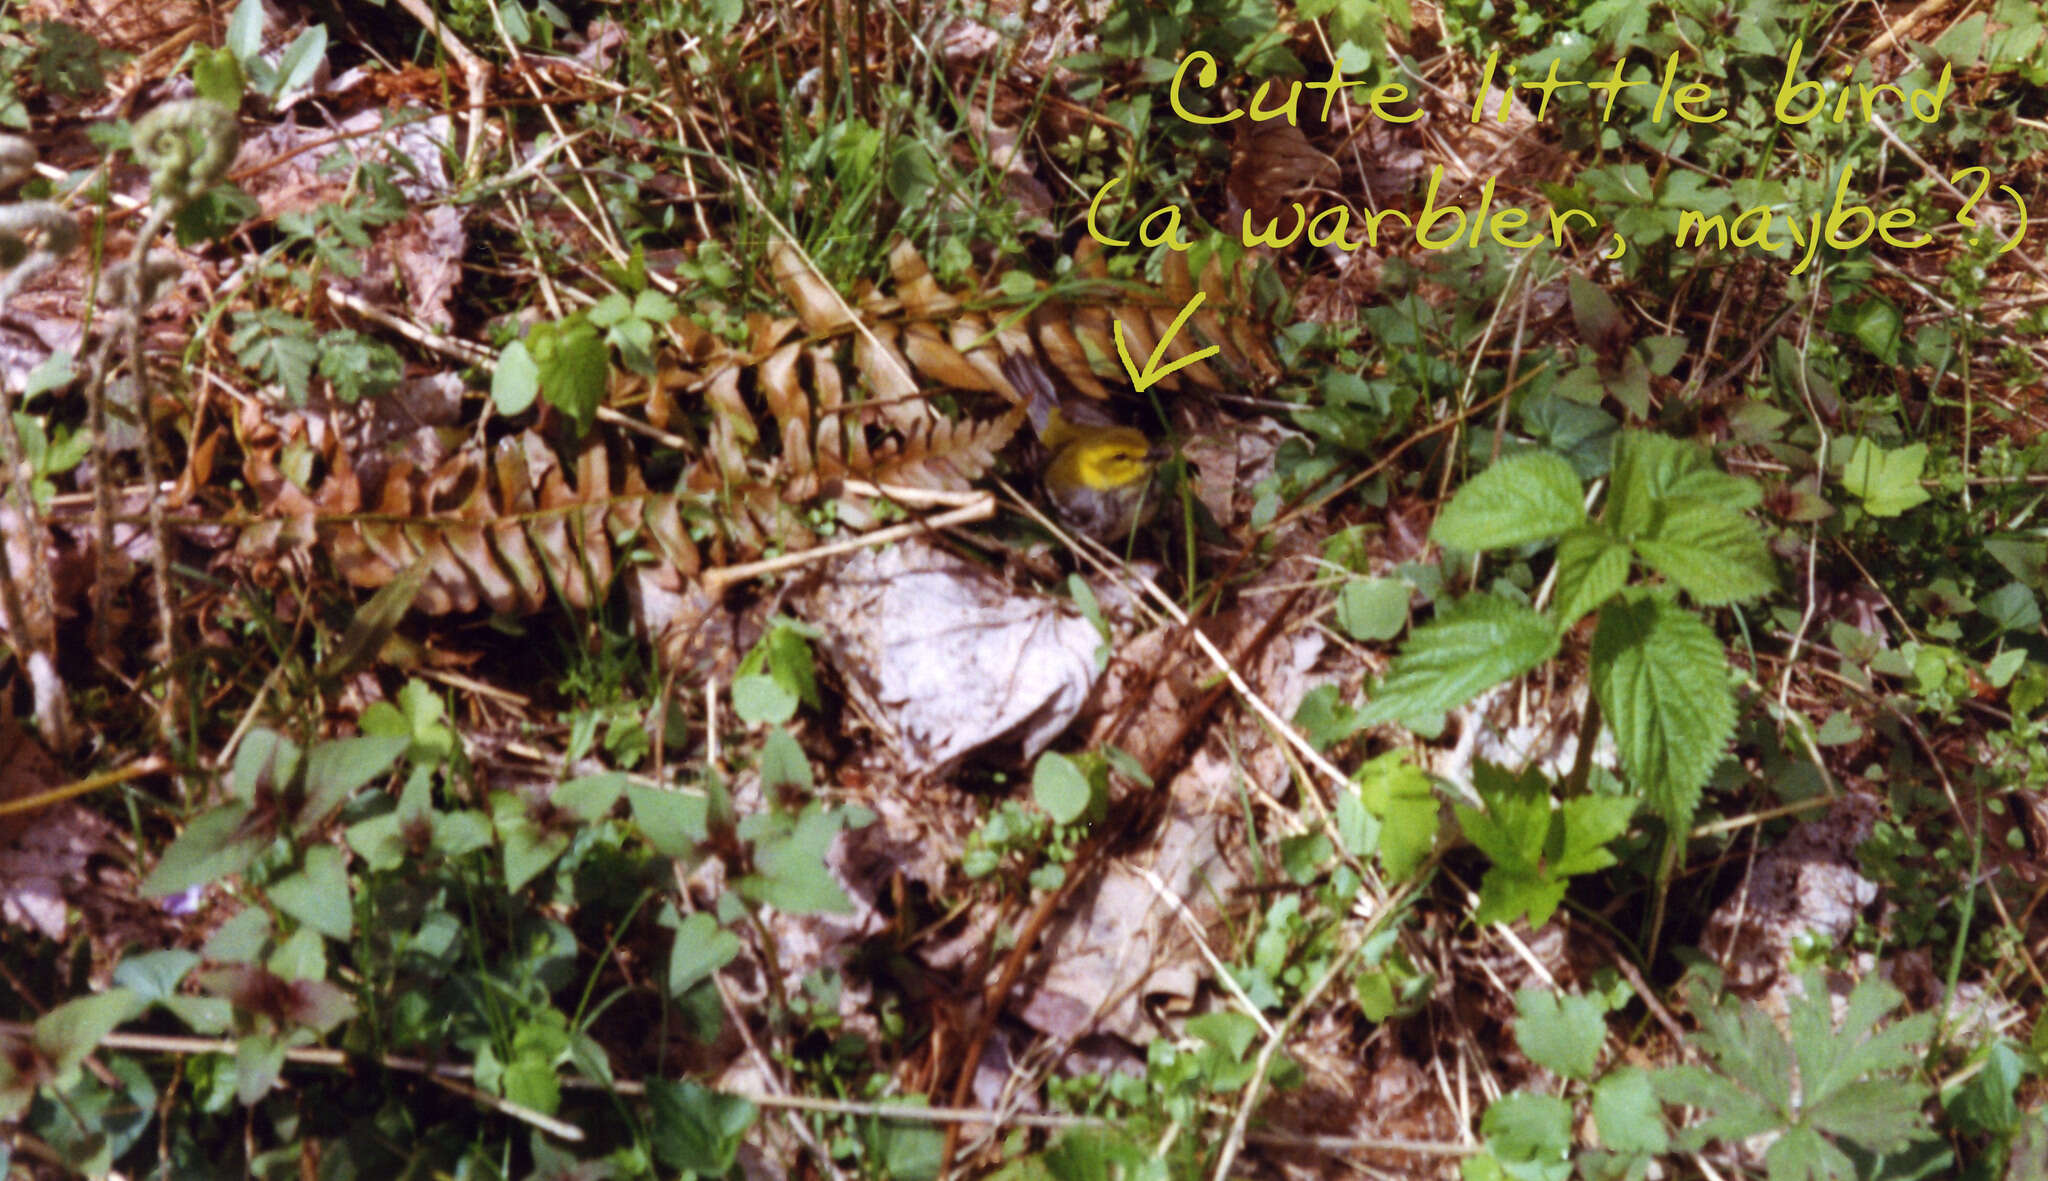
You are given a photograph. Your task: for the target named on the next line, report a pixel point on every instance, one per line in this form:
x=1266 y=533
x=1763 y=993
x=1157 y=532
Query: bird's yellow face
x=1098 y=478
x=1110 y=457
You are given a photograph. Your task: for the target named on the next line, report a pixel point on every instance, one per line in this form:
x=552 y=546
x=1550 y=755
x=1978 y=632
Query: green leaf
x=1479 y=642
x=1877 y=325
x=259 y=1060
x=1853 y=1081
x=1660 y=676
x=761 y=700
x=674 y=822
x=266 y=760
x=381 y=841
x=1324 y=719
x=792 y=876
x=359 y=366
x=296 y=68
x=213 y=846
x=1983 y=1106
x=1561 y=1034
x=245 y=31
x=573 y=367
x=1888 y=482
x=1650 y=468
x=1591 y=568
x=590 y=797
x=1523 y=498
x=701 y=948
x=1588 y=823
x=217 y=76
x=1625 y=1110
x=1373 y=609
x=1521 y=1128
x=515 y=383
x=276 y=346
x=1397 y=792
x=1515 y=826
x=67 y=1033
x=1533 y=846
x=695 y=1128
x=373 y=624
x=783 y=762
x=1712 y=552
x=1594 y=312
x=1357 y=827
x=529 y=847
x=154 y=975
x=335 y=769
x=318 y=894
x=1059 y=786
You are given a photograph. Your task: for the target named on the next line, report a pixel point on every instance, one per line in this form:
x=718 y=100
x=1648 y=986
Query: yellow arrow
x=1153 y=370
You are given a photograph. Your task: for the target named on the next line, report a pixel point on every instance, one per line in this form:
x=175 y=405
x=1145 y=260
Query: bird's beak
x=1158 y=453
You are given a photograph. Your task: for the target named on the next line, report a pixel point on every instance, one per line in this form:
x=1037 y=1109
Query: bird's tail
x=1041 y=403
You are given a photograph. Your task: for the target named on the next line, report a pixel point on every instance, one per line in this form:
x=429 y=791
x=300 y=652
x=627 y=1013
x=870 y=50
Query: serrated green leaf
x=1659 y=674
x=1506 y=895
x=1715 y=554
x=1515 y=826
x=1802 y=1154
x=574 y=367
x=1524 y=1128
x=1588 y=823
x=1523 y=498
x=1737 y=1113
x=1888 y=482
x=1592 y=567
x=1397 y=792
x=1650 y=468
x=1560 y=1033
x=1476 y=644
x=1626 y=1111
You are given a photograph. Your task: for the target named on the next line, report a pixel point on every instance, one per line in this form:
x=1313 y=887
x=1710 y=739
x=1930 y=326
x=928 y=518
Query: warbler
x=1097 y=476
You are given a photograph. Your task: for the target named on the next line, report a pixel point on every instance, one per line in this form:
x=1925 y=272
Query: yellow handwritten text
x=1383 y=96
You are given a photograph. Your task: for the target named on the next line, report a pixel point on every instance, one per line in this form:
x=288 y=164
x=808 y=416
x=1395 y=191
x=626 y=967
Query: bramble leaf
x=1659 y=674
x=1523 y=498
x=1479 y=642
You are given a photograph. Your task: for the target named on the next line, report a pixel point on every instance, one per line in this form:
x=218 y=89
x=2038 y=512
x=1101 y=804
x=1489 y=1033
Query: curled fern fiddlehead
x=187 y=147
x=33 y=234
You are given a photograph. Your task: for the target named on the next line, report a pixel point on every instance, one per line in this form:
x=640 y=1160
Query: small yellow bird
x=1098 y=476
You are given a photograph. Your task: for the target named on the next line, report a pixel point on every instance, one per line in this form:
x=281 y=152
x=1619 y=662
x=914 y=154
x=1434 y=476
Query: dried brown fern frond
x=844 y=389
x=504 y=530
